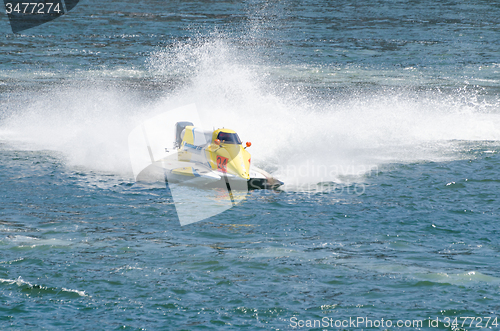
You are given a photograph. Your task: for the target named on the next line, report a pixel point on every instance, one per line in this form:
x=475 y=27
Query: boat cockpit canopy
x=229 y=138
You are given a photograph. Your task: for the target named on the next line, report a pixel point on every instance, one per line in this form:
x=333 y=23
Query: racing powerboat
x=208 y=159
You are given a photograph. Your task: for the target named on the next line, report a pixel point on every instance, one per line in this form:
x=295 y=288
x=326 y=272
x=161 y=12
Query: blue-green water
x=382 y=118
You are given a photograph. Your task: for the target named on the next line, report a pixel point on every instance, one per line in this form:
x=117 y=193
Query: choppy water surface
x=382 y=119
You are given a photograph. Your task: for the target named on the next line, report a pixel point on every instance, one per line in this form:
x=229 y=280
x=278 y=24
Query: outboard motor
x=179 y=126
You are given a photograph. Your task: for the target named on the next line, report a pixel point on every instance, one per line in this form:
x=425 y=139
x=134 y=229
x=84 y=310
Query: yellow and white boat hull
x=208 y=159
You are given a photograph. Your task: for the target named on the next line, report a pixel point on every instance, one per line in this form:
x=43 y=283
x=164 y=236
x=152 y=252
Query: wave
x=37 y=289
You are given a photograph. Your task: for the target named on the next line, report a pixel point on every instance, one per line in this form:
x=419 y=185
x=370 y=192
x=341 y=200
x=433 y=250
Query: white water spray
x=302 y=138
